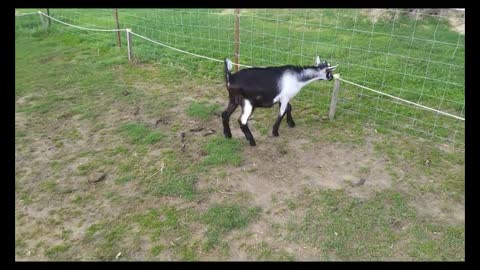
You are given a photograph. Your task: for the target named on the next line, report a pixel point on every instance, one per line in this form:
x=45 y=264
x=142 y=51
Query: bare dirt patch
x=335 y=165
x=457 y=24
x=453 y=213
x=455 y=19
x=377 y=14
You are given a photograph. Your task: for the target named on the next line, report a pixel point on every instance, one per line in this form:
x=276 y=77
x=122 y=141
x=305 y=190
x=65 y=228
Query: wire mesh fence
x=416 y=55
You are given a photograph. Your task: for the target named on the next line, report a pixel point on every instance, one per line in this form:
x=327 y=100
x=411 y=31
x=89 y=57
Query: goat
x=264 y=87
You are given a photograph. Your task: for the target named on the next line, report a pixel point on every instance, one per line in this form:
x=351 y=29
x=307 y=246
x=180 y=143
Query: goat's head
x=325 y=68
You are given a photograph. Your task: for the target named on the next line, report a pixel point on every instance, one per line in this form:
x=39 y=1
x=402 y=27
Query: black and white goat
x=263 y=87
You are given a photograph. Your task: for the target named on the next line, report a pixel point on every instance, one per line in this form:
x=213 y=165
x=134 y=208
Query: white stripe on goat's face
x=247 y=111
x=315 y=74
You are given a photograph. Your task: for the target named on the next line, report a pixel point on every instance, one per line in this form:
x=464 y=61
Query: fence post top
x=336 y=76
x=39 y=12
x=128 y=29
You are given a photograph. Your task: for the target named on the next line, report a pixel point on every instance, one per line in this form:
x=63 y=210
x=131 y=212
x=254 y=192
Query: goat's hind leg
x=232 y=105
x=290 y=121
x=247 y=110
x=283 y=108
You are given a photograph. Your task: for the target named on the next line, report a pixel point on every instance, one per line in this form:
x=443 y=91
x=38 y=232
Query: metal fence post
x=333 y=101
x=237 y=37
x=117 y=25
x=129 y=44
x=42 y=20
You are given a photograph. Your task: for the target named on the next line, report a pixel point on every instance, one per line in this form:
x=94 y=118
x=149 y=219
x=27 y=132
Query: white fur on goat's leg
x=247 y=111
x=283 y=106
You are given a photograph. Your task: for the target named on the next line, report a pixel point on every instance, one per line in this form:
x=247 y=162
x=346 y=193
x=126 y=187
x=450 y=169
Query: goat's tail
x=228 y=70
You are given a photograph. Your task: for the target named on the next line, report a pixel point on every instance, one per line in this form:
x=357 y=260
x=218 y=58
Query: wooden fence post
x=49 y=21
x=237 y=37
x=117 y=25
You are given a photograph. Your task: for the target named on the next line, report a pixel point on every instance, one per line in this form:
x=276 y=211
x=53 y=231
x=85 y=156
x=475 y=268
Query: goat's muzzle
x=329 y=76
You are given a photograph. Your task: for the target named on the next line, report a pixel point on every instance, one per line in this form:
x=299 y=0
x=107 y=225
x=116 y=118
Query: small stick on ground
x=196 y=129
x=137 y=109
x=159 y=171
x=361 y=182
x=212 y=131
x=98 y=178
x=182 y=136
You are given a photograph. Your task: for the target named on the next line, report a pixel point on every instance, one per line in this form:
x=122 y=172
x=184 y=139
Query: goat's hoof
x=252 y=143
x=291 y=124
x=275 y=134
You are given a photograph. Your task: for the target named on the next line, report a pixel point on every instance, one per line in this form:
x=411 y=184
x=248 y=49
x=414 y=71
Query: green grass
x=264 y=252
x=188 y=253
x=223 y=151
x=368 y=230
x=168 y=223
x=19 y=134
x=139 y=133
x=223 y=218
x=73 y=121
x=445 y=184
x=27 y=199
x=48 y=186
x=177 y=179
x=183 y=186
x=202 y=110
x=57 y=251
x=106 y=236
x=375 y=59
x=119 y=150
x=156 y=250
x=124 y=179
x=160 y=222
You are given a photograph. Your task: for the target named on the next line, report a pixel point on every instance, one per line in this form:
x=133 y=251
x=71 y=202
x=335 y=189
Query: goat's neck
x=307 y=76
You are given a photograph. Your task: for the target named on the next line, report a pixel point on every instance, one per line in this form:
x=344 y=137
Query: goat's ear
x=332 y=68
x=317 y=61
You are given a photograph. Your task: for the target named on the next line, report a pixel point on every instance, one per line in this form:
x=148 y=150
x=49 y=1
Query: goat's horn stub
x=332 y=68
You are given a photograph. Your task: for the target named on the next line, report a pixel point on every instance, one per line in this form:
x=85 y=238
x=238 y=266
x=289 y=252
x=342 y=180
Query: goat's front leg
x=247 y=110
x=283 y=108
x=226 y=117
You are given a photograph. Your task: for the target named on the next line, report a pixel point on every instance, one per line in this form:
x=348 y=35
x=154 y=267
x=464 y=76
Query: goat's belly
x=262 y=101
x=263 y=104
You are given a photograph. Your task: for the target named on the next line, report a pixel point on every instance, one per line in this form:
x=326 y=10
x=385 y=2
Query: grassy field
x=418 y=60
x=103 y=172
